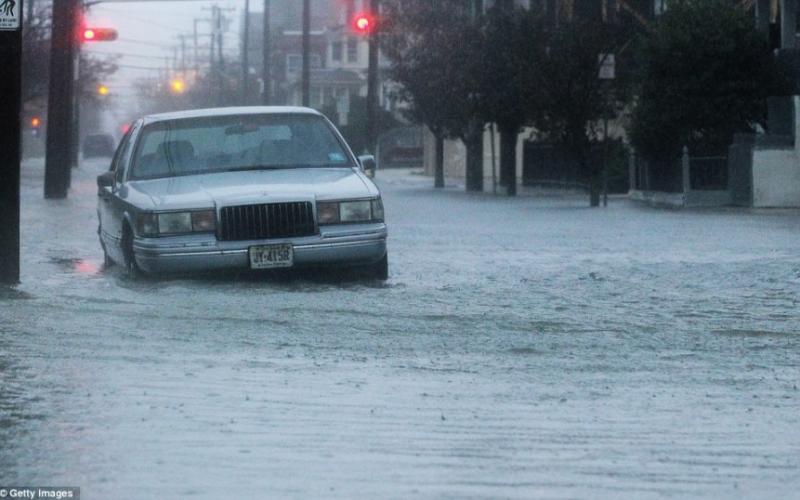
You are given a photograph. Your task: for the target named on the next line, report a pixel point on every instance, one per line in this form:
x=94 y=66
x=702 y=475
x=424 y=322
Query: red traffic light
x=98 y=34
x=363 y=24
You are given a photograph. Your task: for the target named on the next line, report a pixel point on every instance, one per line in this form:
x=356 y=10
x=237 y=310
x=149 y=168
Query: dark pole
x=183 y=55
x=220 y=41
x=372 y=77
x=10 y=107
x=266 y=69
x=196 y=53
x=59 y=104
x=220 y=60
x=306 y=52
x=74 y=144
x=245 y=49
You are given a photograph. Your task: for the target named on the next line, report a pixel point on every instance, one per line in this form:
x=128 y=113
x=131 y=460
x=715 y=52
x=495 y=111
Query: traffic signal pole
x=372 y=78
x=58 y=157
x=10 y=154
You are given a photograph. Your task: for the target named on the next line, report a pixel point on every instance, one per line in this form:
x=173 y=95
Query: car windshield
x=228 y=143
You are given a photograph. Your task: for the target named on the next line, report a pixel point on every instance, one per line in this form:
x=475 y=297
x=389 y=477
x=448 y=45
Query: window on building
x=336 y=51
x=352 y=50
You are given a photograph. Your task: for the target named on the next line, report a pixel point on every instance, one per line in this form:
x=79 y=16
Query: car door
x=108 y=206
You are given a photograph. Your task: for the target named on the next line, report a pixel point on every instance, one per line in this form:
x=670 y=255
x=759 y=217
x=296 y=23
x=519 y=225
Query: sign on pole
x=10 y=15
x=10 y=106
x=608 y=66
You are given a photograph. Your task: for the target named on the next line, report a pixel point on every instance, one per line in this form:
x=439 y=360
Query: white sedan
x=240 y=188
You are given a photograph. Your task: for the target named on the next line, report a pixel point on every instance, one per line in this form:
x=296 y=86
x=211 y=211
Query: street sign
x=608 y=67
x=9 y=15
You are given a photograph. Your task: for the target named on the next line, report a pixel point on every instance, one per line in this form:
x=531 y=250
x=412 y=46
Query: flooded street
x=521 y=348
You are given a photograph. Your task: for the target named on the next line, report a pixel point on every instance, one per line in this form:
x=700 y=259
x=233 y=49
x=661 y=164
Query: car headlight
x=175 y=222
x=355 y=211
x=156 y=224
x=349 y=211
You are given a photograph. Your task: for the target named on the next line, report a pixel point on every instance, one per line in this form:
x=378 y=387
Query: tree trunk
x=594 y=187
x=508 y=158
x=595 y=173
x=474 y=143
x=438 y=181
x=581 y=147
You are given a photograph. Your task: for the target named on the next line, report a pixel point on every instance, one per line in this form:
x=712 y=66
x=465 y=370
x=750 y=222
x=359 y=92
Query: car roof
x=230 y=111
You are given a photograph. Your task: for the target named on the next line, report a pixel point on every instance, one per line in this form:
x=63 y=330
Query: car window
x=123 y=155
x=118 y=153
x=216 y=144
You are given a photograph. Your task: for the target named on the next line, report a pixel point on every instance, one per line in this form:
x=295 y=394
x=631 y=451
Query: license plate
x=271 y=256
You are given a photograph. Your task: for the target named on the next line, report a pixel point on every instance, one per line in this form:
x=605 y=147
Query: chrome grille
x=272 y=220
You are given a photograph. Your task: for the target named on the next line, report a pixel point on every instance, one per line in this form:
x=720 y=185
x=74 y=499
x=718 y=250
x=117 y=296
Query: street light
x=102 y=90
x=36 y=124
x=177 y=86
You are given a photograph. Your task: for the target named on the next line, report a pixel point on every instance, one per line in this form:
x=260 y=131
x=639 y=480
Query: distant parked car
x=98 y=145
x=239 y=188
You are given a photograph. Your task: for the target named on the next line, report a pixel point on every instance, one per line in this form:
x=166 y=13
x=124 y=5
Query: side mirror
x=105 y=180
x=368 y=165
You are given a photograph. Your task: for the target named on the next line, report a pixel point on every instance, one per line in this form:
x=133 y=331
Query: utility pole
x=75 y=142
x=218 y=66
x=372 y=77
x=196 y=49
x=245 y=49
x=183 y=55
x=220 y=40
x=60 y=98
x=221 y=27
x=306 y=52
x=10 y=155
x=266 y=70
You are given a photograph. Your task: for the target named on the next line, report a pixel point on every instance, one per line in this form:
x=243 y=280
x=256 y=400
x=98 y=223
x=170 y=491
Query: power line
x=126 y=54
x=132 y=66
x=140 y=42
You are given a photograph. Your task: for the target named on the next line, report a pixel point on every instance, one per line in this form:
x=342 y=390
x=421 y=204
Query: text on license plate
x=271 y=256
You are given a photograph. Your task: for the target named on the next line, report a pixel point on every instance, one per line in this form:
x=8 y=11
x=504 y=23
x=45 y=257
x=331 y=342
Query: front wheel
x=380 y=269
x=131 y=266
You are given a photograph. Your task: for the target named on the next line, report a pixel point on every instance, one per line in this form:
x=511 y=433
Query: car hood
x=258 y=186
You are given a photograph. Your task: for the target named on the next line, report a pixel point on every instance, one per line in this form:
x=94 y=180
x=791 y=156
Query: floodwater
x=522 y=348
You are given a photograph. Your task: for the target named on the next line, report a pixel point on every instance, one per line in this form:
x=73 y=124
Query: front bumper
x=342 y=245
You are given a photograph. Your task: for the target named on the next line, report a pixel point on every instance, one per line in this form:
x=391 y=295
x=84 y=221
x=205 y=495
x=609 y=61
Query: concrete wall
x=455 y=157
x=776 y=178
x=776 y=172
